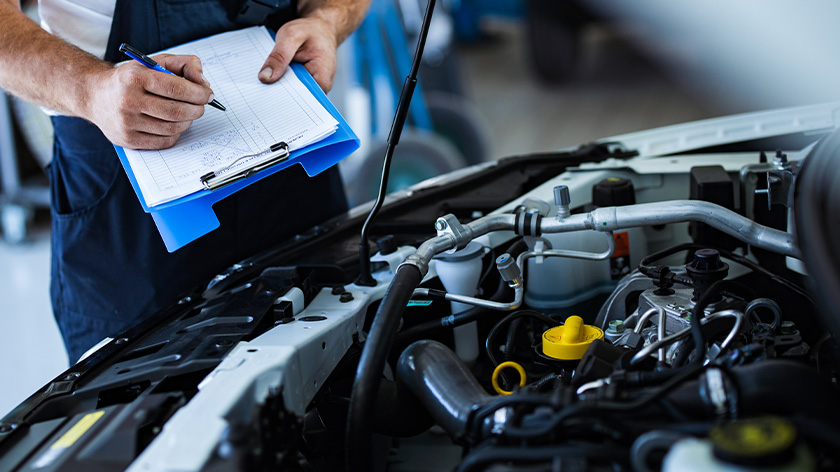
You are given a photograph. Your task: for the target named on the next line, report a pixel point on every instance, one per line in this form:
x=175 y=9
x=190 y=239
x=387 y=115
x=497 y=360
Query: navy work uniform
x=109 y=264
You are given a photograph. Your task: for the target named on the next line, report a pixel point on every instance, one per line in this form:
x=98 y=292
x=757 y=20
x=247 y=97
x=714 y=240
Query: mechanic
x=109 y=264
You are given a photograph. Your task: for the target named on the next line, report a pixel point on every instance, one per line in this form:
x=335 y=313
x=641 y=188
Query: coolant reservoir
x=459 y=272
x=766 y=444
x=558 y=282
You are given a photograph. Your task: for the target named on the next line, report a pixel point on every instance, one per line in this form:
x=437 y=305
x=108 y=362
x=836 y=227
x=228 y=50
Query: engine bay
x=617 y=306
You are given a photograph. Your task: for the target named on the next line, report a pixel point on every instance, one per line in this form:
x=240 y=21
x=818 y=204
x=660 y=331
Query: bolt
x=616 y=327
x=7 y=428
x=71 y=376
x=440 y=225
x=121 y=341
x=338 y=290
x=781 y=161
x=788 y=327
x=345 y=297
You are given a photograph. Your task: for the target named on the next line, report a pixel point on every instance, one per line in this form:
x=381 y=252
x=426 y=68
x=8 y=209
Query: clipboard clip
x=221 y=177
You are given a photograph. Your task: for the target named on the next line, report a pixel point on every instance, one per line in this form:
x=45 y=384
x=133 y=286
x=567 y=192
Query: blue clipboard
x=186 y=219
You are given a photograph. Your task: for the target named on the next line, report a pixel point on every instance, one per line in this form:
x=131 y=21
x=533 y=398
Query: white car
x=659 y=300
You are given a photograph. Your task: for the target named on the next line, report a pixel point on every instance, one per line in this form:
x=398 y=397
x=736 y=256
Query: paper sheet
x=257 y=116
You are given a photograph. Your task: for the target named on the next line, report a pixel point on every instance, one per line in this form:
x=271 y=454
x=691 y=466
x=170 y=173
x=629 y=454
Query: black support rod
x=365 y=277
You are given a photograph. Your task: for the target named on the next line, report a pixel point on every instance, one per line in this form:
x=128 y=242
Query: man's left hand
x=310 y=41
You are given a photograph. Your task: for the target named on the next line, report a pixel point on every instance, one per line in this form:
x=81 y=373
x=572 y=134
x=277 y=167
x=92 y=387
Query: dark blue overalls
x=109 y=264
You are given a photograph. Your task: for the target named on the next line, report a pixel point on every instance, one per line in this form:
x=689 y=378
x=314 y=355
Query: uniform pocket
x=84 y=167
x=83 y=174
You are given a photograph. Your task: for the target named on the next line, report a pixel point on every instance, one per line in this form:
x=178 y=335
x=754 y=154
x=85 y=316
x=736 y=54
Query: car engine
x=664 y=300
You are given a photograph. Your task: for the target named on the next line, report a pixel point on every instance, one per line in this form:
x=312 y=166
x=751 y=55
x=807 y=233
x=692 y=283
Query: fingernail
x=265 y=74
x=212 y=97
x=206 y=82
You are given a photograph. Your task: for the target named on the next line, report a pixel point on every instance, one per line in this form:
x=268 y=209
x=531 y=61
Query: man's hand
x=310 y=41
x=313 y=39
x=140 y=108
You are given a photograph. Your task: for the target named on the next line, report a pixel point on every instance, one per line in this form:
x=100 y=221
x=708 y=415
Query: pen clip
x=219 y=178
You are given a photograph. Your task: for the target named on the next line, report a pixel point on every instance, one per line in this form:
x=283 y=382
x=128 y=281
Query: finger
x=150 y=125
x=140 y=140
x=323 y=71
x=289 y=40
x=176 y=88
x=170 y=110
x=188 y=67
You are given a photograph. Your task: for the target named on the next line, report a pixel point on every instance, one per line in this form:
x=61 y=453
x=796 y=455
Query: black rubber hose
x=712 y=295
x=541 y=428
x=418 y=331
x=510 y=341
x=646 y=268
x=442 y=383
x=491 y=336
x=372 y=363
x=779 y=387
x=484 y=458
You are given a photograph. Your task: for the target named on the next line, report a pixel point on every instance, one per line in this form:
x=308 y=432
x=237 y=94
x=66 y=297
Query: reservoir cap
x=570 y=341
x=613 y=191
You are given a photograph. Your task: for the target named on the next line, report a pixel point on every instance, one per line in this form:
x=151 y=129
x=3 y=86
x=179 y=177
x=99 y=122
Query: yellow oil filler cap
x=570 y=341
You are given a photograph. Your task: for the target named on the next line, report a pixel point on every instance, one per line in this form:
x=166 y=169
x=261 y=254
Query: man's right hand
x=140 y=108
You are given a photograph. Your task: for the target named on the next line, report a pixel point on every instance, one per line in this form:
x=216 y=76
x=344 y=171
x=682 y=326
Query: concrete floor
x=615 y=91
x=31 y=350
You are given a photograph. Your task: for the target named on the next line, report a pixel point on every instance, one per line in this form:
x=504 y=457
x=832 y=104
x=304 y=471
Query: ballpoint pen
x=147 y=61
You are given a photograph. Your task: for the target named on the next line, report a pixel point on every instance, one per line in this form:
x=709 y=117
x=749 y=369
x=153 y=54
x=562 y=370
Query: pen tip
x=216 y=104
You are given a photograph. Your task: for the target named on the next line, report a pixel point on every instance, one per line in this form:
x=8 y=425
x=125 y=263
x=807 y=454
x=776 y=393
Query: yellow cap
x=753 y=438
x=570 y=341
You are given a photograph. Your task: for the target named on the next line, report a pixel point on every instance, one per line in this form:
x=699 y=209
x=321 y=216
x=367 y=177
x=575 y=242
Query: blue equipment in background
x=444 y=132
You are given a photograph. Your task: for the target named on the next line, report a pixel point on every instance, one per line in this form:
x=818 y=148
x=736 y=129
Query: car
x=665 y=299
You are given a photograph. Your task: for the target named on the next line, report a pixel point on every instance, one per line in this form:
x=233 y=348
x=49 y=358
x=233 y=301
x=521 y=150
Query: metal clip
x=219 y=178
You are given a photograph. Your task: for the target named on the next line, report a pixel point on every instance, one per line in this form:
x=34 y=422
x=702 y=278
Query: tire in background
x=418 y=157
x=456 y=119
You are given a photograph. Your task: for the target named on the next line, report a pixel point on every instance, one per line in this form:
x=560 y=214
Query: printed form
x=257 y=116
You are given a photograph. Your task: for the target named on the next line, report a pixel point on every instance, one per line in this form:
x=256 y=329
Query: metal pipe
x=661 y=343
x=612 y=219
x=645 y=317
x=739 y=321
x=660 y=331
x=589 y=256
x=489 y=304
x=677 y=211
x=445 y=240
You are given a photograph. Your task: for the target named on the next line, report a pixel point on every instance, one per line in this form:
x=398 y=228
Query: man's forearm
x=42 y=68
x=344 y=15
